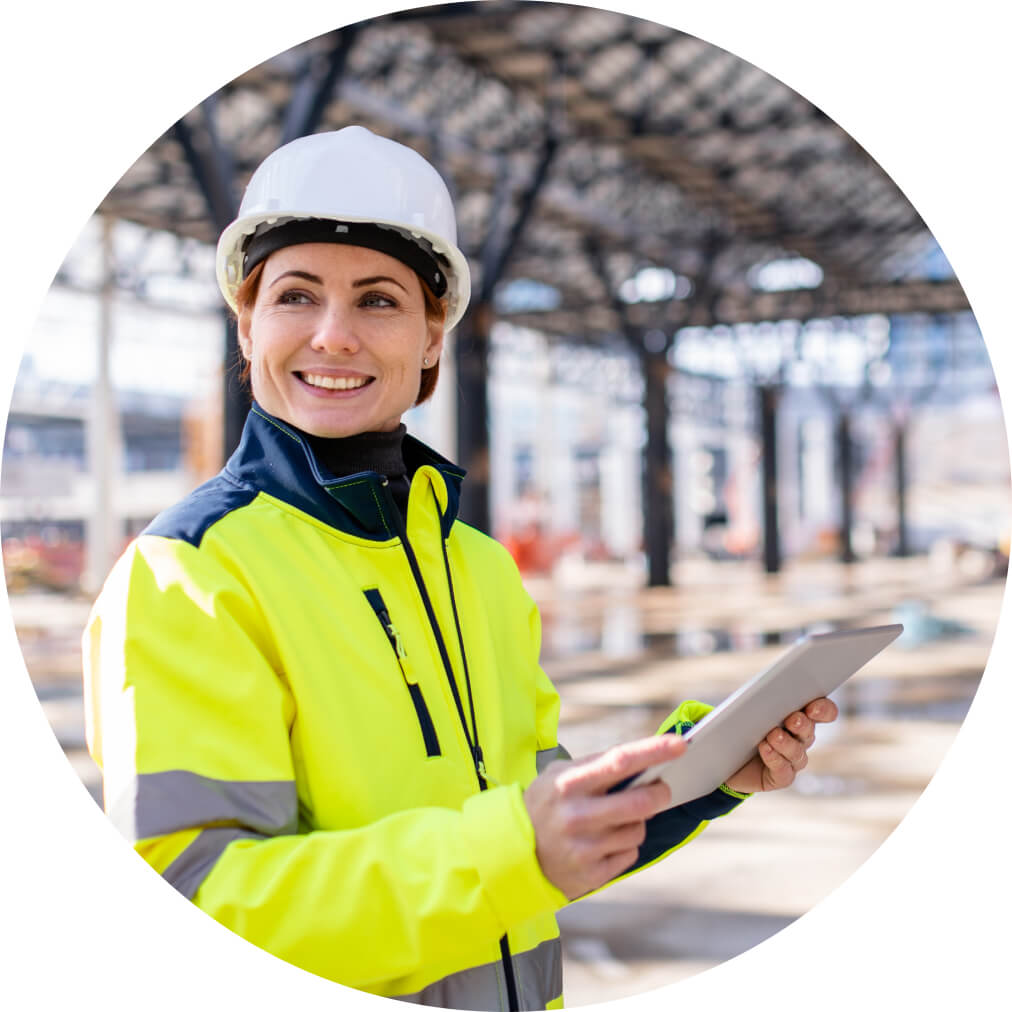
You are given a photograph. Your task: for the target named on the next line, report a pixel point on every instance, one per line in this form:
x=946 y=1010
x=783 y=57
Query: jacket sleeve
x=667 y=831
x=547 y=703
x=189 y=716
x=673 y=828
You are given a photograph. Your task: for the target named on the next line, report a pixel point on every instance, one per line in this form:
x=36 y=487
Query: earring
x=425 y=362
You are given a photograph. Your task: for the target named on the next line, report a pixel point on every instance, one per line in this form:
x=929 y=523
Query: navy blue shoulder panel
x=190 y=519
x=275 y=458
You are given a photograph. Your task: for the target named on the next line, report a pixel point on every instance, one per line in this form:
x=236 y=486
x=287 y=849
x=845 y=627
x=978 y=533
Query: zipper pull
x=479 y=765
x=395 y=638
x=393 y=635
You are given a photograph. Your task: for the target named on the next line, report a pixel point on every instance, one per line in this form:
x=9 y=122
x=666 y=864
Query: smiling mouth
x=334 y=382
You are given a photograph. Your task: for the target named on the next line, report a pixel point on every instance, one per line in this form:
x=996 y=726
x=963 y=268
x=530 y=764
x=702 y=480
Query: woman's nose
x=335 y=333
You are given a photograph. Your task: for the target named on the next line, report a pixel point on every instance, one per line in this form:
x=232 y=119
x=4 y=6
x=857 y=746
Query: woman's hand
x=584 y=835
x=783 y=753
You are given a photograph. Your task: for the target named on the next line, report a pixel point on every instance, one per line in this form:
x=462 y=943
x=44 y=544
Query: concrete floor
x=755 y=871
x=623 y=656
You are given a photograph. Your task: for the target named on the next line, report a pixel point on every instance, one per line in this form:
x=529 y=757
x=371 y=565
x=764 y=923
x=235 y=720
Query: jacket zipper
x=476 y=754
x=429 y=735
x=473 y=747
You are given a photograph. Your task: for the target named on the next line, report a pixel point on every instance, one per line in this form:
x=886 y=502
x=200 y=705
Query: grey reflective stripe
x=481 y=988
x=538 y=975
x=548 y=755
x=191 y=867
x=158 y=803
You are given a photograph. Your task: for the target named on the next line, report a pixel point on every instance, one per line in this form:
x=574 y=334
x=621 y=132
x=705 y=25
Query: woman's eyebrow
x=362 y=282
x=297 y=274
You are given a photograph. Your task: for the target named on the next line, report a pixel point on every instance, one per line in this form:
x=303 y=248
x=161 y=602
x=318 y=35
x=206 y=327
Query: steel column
x=902 y=548
x=658 y=483
x=211 y=165
x=472 y=350
x=104 y=524
x=769 y=397
x=214 y=170
x=314 y=89
x=845 y=461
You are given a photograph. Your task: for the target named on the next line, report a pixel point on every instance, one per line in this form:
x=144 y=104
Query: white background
x=87 y=87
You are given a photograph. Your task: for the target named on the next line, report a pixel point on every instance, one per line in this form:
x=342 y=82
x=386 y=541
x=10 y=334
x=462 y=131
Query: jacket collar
x=276 y=458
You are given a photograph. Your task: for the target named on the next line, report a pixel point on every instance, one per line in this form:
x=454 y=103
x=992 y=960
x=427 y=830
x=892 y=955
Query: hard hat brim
x=228 y=265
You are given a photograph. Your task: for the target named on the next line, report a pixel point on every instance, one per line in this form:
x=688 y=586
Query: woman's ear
x=434 y=344
x=245 y=341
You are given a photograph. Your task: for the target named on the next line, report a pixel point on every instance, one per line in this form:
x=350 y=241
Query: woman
x=315 y=696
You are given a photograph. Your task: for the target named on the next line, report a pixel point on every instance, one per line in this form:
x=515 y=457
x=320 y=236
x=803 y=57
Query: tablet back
x=721 y=743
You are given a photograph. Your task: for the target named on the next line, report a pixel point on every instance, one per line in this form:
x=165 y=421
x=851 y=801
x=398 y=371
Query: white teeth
x=335 y=382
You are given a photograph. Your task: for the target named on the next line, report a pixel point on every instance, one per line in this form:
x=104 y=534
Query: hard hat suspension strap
x=265 y=241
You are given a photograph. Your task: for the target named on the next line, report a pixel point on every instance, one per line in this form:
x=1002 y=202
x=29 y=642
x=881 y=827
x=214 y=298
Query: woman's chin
x=343 y=413
x=336 y=424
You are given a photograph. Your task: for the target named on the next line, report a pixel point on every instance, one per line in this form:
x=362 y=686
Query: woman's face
x=336 y=338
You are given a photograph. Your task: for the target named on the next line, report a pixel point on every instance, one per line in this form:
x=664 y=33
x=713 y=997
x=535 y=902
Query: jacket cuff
x=684 y=717
x=733 y=793
x=713 y=805
x=499 y=835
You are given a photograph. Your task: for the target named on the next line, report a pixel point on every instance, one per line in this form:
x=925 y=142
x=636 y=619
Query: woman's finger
x=822 y=710
x=777 y=772
x=788 y=746
x=802 y=727
x=612 y=866
x=599 y=814
x=623 y=838
x=596 y=775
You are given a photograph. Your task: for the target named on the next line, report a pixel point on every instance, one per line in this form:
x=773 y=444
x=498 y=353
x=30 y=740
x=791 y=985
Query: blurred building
x=49 y=488
x=567 y=426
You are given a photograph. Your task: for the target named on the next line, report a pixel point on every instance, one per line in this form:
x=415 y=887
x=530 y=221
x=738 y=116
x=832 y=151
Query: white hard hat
x=382 y=195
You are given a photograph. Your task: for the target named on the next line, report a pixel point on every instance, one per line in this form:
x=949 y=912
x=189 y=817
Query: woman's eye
x=293 y=297
x=377 y=299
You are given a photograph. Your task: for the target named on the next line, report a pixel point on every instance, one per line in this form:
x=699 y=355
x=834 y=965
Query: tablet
x=727 y=737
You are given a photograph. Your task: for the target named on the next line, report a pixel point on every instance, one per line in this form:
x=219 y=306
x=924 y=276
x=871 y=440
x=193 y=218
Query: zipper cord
x=479 y=757
x=511 y=981
x=504 y=944
x=473 y=748
x=476 y=754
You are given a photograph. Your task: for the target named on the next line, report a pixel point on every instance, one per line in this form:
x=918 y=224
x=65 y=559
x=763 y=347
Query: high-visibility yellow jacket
x=293 y=701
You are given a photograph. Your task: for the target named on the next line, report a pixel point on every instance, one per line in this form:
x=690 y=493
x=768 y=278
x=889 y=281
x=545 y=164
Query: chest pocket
x=428 y=729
